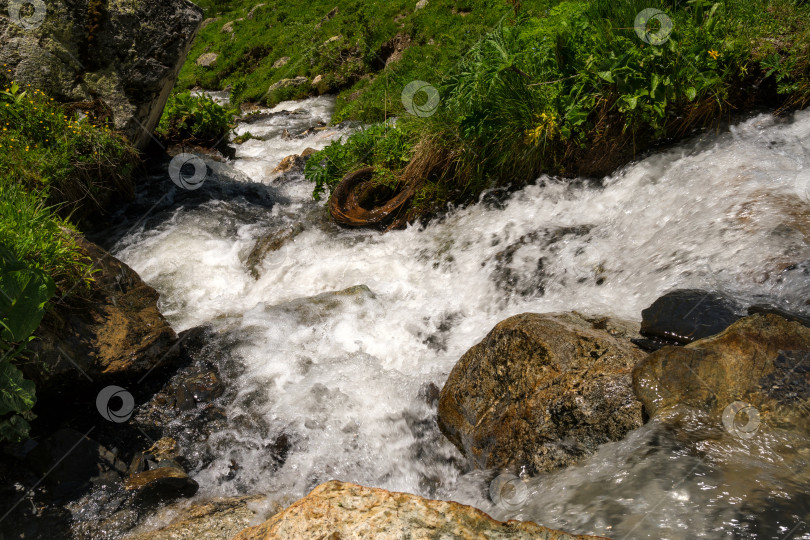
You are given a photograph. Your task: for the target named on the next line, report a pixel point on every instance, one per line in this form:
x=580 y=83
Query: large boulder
x=342 y=510
x=541 y=392
x=111 y=334
x=122 y=56
x=761 y=361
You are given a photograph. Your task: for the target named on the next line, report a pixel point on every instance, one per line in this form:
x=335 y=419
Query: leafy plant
x=385 y=147
x=24 y=292
x=195 y=119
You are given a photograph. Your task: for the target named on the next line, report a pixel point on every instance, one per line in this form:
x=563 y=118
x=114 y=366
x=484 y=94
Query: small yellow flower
x=714 y=54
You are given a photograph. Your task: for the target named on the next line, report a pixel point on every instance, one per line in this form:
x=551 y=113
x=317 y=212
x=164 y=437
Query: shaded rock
x=188 y=398
x=160 y=484
x=763 y=360
x=341 y=510
x=214 y=519
x=70 y=461
x=207 y=59
x=115 y=335
x=686 y=315
x=392 y=51
x=281 y=62
x=127 y=54
x=540 y=391
x=285 y=83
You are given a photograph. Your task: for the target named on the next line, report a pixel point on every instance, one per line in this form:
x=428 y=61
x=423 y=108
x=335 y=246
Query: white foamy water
x=343 y=377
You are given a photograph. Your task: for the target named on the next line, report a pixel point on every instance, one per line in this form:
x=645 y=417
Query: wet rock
x=270 y=243
x=69 y=461
x=289 y=163
x=129 y=60
x=686 y=315
x=762 y=360
x=213 y=519
x=207 y=60
x=541 y=392
x=341 y=510
x=160 y=484
x=115 y=336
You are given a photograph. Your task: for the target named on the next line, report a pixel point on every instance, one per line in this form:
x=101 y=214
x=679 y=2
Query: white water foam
x=340 y=376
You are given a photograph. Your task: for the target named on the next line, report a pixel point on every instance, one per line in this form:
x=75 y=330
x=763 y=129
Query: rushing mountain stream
x=347 y=382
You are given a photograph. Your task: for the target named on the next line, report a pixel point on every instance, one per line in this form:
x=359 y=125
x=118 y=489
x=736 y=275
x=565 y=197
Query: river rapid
x=348 y=380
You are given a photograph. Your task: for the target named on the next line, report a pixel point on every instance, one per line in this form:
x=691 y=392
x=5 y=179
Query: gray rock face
x=125 y=53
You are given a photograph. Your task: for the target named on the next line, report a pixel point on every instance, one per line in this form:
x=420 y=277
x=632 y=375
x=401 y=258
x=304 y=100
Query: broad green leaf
x=16 y=393
x=606 y=75
x=691 y=93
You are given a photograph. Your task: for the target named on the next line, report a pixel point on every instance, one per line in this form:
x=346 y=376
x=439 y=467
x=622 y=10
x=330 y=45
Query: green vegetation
x=55 y=164
x=578 y=91
x=348 y=49
x=23 y=294
x=383 y=146
x=194 y=120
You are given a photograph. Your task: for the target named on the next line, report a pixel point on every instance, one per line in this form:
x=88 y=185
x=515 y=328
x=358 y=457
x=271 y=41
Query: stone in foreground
x=542 y=392
x=342 y=510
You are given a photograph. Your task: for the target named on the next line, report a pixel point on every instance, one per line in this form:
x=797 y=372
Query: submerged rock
x=126 y=54
x=160 y=484
x=686 y=315
x=342 y=510
x=762 y=361
x=214 y=519
x=541 y=391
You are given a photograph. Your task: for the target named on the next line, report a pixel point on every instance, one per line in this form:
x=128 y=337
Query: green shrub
x=195 y=120
x=385 y=147
x=75 y=163
x=24 y=291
